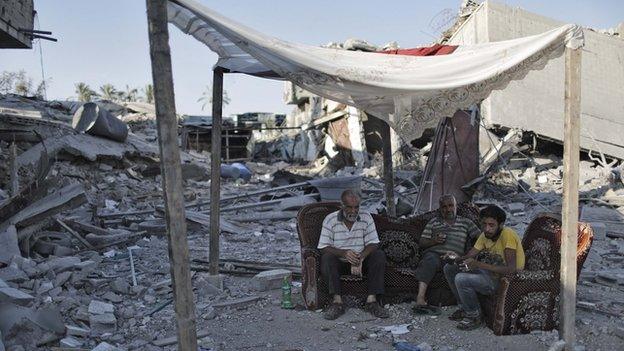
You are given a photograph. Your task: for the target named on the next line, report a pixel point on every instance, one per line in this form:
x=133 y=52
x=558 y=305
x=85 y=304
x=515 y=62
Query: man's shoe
x=376 y=310
x=334 y=311
x=458 y=315
x=470 y=323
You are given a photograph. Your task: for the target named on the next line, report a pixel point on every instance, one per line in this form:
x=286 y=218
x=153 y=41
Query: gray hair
x=448 y=197
x=349 y=193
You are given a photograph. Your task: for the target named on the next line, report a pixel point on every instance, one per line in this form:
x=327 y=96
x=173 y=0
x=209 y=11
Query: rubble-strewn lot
x=84 y=258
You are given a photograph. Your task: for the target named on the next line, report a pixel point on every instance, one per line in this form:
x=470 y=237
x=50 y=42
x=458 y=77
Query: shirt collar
x=341 y=217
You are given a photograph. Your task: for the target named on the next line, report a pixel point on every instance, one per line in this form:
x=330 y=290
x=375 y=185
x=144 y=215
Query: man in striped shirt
x=348 y=243
x=446 y=233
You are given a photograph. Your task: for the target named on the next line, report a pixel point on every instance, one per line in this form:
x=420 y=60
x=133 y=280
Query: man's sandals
x=426 y=310
x=334 y=311
x=470 y=323
x=376 y=310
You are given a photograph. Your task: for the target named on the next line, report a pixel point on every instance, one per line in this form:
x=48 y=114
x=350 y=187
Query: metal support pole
x=387 y=169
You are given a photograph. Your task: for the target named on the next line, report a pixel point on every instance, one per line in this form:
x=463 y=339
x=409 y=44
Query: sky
x=103 y=42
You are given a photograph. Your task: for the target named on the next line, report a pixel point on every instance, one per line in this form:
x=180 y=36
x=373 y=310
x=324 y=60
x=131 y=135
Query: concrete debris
x=15 y=296
x=76 y=188
x=269 y=280
x=8 y=243
x=104 y=346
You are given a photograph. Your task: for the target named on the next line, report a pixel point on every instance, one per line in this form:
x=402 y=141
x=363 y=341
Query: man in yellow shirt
x=498 y=251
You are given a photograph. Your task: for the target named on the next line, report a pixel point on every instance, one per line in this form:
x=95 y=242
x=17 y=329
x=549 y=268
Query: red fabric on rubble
x=437 y=49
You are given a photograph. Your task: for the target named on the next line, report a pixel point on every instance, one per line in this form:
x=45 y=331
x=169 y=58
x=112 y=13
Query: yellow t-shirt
x=507 y=240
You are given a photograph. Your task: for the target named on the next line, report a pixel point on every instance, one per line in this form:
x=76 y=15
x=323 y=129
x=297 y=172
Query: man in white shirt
x=348 y=243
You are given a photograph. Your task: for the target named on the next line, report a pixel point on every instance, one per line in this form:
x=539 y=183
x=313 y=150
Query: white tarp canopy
x=411 y=93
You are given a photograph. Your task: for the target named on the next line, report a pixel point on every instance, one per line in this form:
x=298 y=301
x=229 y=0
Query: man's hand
x=352 y=257
x=472 y=264
x=450 y=255
x=357 y=270
x=439 y=238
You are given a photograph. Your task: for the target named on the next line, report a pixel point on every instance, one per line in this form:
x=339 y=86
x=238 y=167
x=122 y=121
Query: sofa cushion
x=400 y=248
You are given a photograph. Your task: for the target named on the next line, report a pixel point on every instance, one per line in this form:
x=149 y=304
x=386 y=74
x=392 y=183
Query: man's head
x=492 y=221
x=350 y=205
x=448 y=206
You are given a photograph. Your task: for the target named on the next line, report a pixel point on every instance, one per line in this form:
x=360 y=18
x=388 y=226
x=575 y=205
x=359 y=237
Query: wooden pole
x=167 y=125
x=215 y=169
x=13 y=177
x=387 y=169
x=569 y=237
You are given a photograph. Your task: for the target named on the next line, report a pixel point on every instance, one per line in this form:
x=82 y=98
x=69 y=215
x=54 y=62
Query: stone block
x=269 y=280
x=104 y=346
x=15 y=296
x=120 y=286
x=76 y=331
x=13 y=274
x=70 y=342
x=62 y=264
x=99 y=307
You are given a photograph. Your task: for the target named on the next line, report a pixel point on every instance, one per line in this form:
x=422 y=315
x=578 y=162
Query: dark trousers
x=374 y=268
x=427 y=267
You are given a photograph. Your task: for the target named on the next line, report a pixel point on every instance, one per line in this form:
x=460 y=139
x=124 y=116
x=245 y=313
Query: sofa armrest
x=310 y=251
x=512 y=292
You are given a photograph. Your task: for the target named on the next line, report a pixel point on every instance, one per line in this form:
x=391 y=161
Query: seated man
x=499 y=252
x=348 y=244
x=445 y=233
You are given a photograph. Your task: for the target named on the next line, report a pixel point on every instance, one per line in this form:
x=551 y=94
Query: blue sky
x=106 y=41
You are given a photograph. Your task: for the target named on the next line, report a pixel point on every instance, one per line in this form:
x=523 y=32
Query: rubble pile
x=84 y=263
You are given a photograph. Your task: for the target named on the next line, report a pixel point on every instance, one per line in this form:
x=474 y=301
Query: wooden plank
x=14 y=179
x=75 y=234
x=215 y=169
x=387 y=169
x=569 y=237
x=167 y=125
x=89 y=228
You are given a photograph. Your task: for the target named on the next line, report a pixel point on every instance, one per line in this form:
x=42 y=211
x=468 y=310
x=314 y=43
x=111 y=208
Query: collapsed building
x=85 y=235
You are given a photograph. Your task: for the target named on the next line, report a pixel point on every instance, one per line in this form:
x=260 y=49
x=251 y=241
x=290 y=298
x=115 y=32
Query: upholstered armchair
x=529 y=299
x=399 y=241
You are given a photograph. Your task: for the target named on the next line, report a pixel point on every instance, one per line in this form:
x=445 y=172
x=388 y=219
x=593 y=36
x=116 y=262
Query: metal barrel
x=93 y=119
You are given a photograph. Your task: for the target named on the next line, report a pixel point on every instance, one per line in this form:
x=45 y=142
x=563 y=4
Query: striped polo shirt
x=336 y=234
x=456 y=234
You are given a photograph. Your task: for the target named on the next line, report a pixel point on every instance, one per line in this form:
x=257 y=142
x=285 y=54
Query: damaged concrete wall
x=536 y=102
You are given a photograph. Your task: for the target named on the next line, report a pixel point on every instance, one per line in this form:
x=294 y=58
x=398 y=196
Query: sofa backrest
x=542 y=244
x=310 y=222
x=398 y=237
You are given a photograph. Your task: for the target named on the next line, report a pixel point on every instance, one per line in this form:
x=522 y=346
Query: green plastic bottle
x=286 y=294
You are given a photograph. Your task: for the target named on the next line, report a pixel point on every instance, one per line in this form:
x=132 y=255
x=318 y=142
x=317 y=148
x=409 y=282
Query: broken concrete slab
x=237 y=303
x=70 y=342
x=8 y=243
x=44 y=287
x=269 y=280
x=174 y=339
x=13 y=274
x=15 y=296
x=76 y=331
x=68 y=197
x=48 y=318
x=62 y=278
x=103 y=323
x=63 y=264
x=99 y=307
x=516 y=207
x=120 y=286
x=104 y=346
